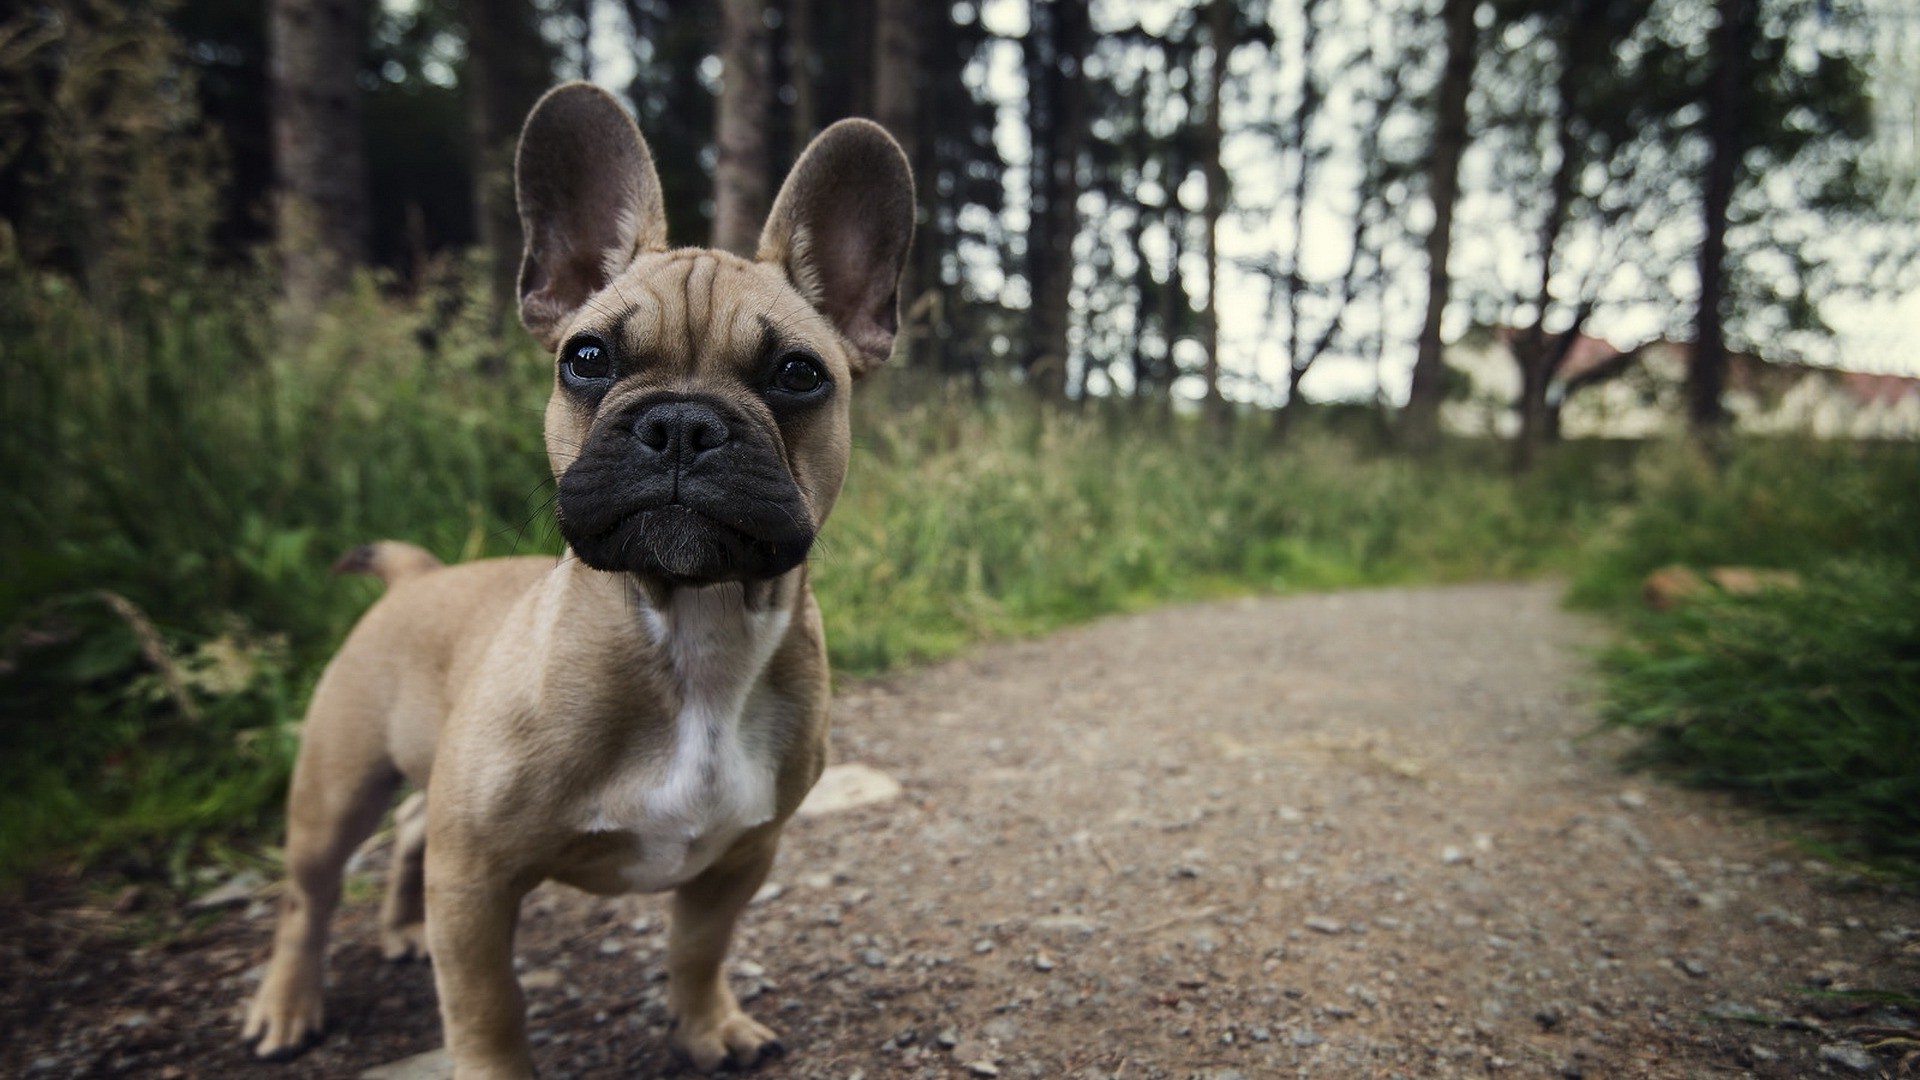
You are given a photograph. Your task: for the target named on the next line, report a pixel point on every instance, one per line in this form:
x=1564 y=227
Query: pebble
x=1848 y=1056
x=1323 y=925
x=542 y=979
x=432 y=1065
x=237 y=890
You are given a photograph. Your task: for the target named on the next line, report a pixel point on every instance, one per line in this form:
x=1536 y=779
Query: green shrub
x=1806 y=699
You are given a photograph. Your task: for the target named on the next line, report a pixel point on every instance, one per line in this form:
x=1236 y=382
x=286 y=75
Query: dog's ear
x=840 y=229
x=589 y=202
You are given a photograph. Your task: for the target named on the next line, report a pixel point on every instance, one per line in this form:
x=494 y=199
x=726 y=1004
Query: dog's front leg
x=709 y=1026
x=471 y=913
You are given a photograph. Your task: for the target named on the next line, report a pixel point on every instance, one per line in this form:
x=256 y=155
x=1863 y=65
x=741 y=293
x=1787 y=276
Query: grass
x=1804 y=700
x=183 y=470
x=183 y=467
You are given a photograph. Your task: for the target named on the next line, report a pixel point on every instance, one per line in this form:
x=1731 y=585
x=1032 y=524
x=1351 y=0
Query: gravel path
x=1350 y=835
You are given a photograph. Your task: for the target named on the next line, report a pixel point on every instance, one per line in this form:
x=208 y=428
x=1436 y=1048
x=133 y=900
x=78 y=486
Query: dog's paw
x=283 y=1025
x=735 y=1040
x=407 y=942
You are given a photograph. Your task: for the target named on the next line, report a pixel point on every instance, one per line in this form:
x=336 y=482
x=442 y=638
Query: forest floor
x=1365 y=834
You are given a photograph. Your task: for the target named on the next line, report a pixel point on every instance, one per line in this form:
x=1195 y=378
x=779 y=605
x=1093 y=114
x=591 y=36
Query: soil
x=1353 y=835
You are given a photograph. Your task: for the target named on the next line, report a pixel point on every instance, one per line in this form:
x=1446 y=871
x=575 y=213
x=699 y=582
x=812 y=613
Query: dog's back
x=403 y=660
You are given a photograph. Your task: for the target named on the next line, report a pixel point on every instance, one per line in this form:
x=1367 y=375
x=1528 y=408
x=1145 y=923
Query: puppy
x=646 y=714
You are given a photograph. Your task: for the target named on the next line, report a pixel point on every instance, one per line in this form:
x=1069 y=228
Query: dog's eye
x=798 y=375
x=586 y=359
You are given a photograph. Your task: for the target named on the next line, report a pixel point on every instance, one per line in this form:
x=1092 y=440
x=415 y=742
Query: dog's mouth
x=685 y=546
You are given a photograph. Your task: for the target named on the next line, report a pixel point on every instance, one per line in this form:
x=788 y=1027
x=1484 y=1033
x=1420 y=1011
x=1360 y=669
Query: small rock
x=847 y=786
x=1848 y=1056
x=983 y=946
x=1693 y=967
x=1452 y=856
x=772 y=890
x=432 y=1065
x=982 y=1067
x=1043 y=962
x=873 y=958
x=948 y=1038
x=1631 y=800
x=1305 y=1037
x=1321 y=924
x=610 y=947
x=542 y=979
x=237 y=889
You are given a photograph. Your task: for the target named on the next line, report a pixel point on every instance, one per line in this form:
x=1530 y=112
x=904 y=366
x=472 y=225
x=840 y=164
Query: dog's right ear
x=589 y=202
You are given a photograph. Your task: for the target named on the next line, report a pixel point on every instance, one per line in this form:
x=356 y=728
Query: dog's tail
x=389 y=560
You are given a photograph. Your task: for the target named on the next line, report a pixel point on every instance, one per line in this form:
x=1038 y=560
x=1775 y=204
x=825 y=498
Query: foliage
x=192 y=463
x=1790 y=504
x=1804 y=699
x=183 y=473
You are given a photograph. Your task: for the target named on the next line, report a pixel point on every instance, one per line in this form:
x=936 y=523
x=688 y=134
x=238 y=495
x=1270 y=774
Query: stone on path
x=845 y=787
x=432 y=1065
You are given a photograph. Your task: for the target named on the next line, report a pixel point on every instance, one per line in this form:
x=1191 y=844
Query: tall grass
x=1804 y=699
x=182 y=469
x=182 y=472
x=1807 y=700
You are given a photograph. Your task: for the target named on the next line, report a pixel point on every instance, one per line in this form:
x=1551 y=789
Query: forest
x=1174 y=326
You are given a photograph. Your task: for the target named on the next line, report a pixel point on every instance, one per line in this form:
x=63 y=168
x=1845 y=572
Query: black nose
x=681 y=430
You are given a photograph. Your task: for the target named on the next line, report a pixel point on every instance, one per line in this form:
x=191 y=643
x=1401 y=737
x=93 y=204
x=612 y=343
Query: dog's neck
x=718 y=639
x=716 y=643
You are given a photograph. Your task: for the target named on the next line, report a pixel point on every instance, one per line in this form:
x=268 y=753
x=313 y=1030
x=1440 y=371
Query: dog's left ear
x=841 y=228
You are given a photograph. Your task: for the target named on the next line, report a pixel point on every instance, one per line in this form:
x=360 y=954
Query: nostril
x=705 y=433
x=653 y=431
x=681 y=429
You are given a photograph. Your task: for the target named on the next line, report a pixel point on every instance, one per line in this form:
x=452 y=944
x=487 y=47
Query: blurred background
x=1207 y=297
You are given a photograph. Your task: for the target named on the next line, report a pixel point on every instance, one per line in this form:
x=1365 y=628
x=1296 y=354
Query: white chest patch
x=717 y=779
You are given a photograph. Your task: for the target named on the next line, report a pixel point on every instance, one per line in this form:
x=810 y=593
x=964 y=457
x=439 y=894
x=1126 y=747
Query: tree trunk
x=507 y=70
x=898 y=67
x=319 y=159
x=1421 y=424
x=742 y=185
x=1219 y=33
x=1530 y=350
x=1707 y=375
x=801 y=65
x=1056 y=49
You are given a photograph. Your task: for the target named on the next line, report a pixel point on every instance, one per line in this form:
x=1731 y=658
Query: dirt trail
x=1345 y=835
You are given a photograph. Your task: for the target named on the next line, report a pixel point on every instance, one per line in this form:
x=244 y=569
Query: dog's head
x=699 y=421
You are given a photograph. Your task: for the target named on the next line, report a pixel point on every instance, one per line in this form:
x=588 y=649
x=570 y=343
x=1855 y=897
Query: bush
x=1807 y=700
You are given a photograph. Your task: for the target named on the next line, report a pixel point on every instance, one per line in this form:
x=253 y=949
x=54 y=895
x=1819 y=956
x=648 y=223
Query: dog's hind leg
x=708 y=1024
x=403 y=934
x=342 y=783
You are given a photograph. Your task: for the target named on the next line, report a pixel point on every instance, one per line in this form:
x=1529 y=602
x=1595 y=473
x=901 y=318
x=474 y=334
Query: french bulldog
x=645 y=714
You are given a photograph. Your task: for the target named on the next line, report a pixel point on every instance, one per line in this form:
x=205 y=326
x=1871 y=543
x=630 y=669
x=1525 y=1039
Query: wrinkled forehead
x=694 y=303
